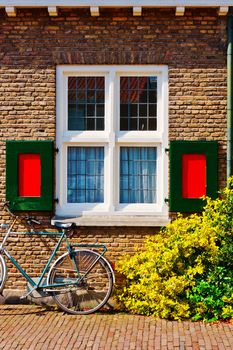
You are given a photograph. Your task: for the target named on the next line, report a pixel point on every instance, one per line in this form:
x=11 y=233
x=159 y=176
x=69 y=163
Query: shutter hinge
x=166 y=200
x=56 y=200
x=167 y=150
x=57 y=150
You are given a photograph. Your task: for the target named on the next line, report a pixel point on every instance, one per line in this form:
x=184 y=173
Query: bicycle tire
x=95 y=288
x=3 y=273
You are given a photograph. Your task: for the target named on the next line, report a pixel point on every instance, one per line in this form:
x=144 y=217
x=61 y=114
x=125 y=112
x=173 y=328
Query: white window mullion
x=110 y=152
x=65 y=107
x=165 y=156
x=60 y=102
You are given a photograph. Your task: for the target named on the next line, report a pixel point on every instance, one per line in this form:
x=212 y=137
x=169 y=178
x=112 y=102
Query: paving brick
x=30 y=327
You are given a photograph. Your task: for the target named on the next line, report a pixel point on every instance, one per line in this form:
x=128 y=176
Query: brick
x=33 y=44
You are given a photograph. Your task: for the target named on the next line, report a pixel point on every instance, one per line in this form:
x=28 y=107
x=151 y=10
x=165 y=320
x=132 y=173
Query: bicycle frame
x=62 y=236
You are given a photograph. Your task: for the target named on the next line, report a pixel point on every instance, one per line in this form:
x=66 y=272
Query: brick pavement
x=33 y=327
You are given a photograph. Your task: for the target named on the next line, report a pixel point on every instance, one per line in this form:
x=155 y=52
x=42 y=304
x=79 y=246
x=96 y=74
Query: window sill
x=119 y=220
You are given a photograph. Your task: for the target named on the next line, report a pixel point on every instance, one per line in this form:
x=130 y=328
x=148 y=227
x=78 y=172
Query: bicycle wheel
x=3 y=273
x=94 y=279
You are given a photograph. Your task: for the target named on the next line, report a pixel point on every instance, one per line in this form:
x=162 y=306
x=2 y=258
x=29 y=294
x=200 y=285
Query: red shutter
x=193 y=175
x=29 y=172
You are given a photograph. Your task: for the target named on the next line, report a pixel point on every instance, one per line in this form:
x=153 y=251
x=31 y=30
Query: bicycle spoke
x=94 y=283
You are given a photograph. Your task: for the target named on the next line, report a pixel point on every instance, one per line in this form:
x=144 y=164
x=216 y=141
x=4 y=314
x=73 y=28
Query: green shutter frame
x=45 y=201
x=177 y=149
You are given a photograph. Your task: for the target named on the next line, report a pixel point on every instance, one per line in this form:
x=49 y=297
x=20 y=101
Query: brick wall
x=32 y=44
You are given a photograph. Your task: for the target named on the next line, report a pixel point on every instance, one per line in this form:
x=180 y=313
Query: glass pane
x=124 y=110
x=100 y=110
x=72 y=96
x=138 y=174
x=90 y=124
x=90 y=110
x=72 y=110
x=124 y=124
x=143 y=96
x=99 y=83
x=81 y=110
x=142 y=110
x=99 y=123
x=152 y=83
x=100 y=96
x=152 y=124
x=72 y=83
x=80 y=82
x=133 y=110
x=133 y=83
x=86 y=98
x=124 y=96
x=124 y=83
x=90 y=96
x=152 y=110
x=133 y=122
x=76 y=124
x=81 y=96
x=138 y=98
x=152 y=96
x=91 y=83
x=143 y=124
x=134 y=96
x=85 y=180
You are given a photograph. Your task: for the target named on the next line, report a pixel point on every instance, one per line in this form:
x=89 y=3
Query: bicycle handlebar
x=29 y=219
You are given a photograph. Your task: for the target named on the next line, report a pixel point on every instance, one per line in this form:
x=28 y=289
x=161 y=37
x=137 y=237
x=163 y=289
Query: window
x=85 y=175
x=111 y=136
x=138 y=174
x=138 y=103
x=85 y=103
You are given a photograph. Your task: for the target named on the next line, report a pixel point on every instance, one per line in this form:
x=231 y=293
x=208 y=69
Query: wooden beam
x=137 y=10
x=52 y=10
x=223 y=10
x=180 y=10
x=11 y=11
x=95 y=11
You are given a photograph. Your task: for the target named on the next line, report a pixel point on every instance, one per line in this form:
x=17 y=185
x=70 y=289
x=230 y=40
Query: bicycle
x=80 y=280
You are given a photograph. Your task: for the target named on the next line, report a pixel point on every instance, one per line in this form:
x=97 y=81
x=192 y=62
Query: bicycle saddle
x=64 y=225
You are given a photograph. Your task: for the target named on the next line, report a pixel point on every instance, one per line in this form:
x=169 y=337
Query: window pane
x=124 y=124
x=90 y=110
x=152 y=124
x=138 y=174
x=138 y=99
x=90 y=124
x=152 y=110
x=100 y=96
x=100 y=110
x=85 y=175
x=143 y=124
x=133 y=124
x=100 y=124
x=81 y=96
x=85 y=99
x=124 y=110
x=133 y=110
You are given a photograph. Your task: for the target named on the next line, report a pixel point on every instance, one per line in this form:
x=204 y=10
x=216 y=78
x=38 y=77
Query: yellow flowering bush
x=160 y=280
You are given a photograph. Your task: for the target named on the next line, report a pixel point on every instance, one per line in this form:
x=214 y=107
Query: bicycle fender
x=63 y=255
x=4 y=273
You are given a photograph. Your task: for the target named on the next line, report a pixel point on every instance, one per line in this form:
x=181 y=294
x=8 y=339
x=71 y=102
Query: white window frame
x=112 y=139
